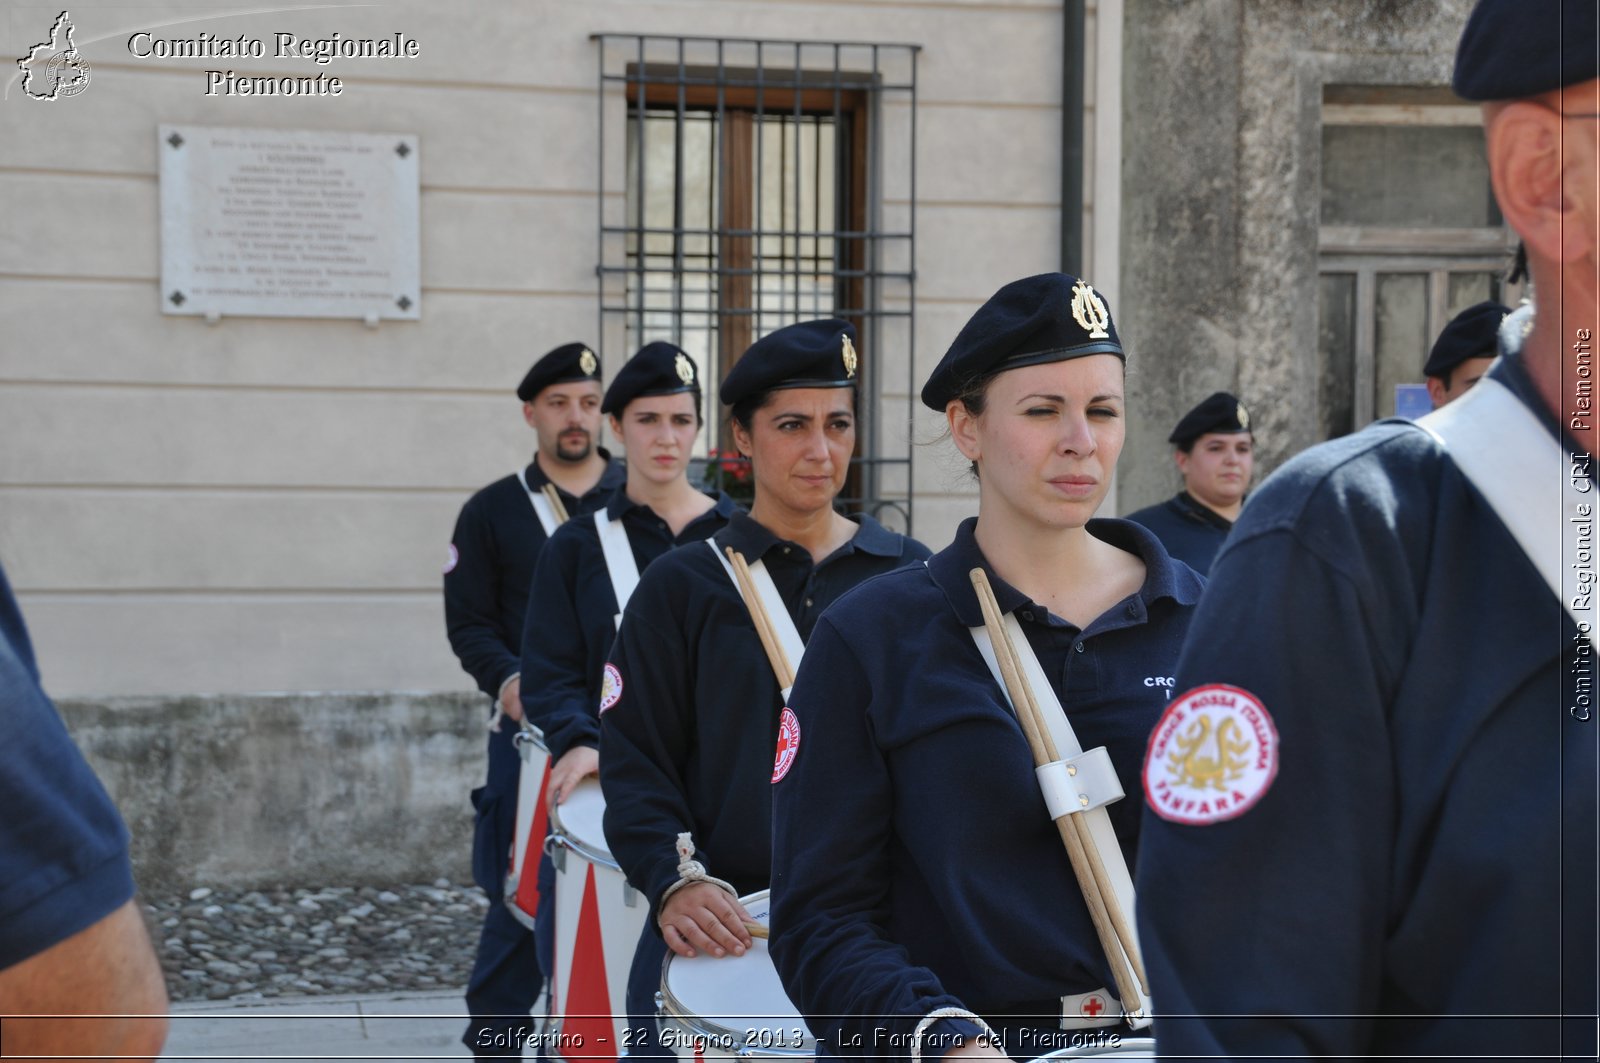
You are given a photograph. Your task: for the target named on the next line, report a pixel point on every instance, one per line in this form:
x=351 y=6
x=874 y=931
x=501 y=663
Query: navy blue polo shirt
x=572 y=615
x=1418 y=879
x=63 y=847
x=1191 y=531
x=915 y=864
x=688 y=743
x=493 y=550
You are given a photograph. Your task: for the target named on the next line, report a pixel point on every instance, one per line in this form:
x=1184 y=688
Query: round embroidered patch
x=1212 y=756
x=610 y=687
x=451 y=561
x=788 y=744
x=1092 y=1006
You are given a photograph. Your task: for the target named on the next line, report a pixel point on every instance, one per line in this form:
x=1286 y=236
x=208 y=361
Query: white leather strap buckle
x=1079 y=783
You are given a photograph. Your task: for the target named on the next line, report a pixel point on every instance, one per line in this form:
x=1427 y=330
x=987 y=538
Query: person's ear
x=964 y=429
x=1533 y=181
x=1436 y=391
x=741 y=437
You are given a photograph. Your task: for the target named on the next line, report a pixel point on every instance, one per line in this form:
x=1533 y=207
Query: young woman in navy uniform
x=920 y=887
x=654 y=405
x=690 y=711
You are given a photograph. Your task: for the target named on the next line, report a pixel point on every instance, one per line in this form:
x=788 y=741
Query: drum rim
x=561 y=836
x=738 y=1041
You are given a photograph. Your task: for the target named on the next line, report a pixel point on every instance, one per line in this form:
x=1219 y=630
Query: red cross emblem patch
x=788 y=744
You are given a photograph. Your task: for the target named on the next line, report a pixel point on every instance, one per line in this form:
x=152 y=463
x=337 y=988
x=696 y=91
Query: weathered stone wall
x=1221 y=179
x=322 y=789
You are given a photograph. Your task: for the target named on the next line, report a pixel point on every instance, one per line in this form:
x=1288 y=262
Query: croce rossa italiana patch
x=1212 y=756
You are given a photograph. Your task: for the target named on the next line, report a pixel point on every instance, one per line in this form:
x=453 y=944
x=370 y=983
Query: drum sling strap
x=1526 y=477
x=772 y=601
x=547 y=518
x=690 y=869
x=1080 y=782
x=541 y=506
x=620 y=566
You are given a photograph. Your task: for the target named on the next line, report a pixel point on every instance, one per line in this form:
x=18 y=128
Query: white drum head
x=579 y=821
x=737 y=998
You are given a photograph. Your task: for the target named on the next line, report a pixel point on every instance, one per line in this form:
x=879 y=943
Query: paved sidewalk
x=389 y=1026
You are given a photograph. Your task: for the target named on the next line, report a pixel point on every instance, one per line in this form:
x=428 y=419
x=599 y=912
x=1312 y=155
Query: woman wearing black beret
x=923 y=899
x=691 y=712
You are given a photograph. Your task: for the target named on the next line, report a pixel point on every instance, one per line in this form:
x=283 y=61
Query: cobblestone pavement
x=219 y=944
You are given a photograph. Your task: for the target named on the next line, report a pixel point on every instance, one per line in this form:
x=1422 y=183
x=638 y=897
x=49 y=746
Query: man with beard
x=492 y=555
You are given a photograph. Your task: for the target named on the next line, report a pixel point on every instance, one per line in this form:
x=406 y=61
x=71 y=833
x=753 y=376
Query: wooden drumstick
x=757 y=930
x=1116 y=938
x=1096 y=863
x=554 y=496
x=763 y=623
x=1113 y=908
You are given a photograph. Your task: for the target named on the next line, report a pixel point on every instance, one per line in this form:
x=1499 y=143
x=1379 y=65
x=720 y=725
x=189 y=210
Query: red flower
x=733 y=464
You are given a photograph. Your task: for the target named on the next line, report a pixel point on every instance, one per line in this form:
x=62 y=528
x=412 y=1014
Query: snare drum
x=522 y=880
x=599 y=918
x=1125 y=1048
x=733 y=1007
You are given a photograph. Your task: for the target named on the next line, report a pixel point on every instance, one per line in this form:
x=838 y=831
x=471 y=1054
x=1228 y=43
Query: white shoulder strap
x=767 y=591
x=1067 y=748
x=541 y=506
x=624 y=571
x=1526 y=477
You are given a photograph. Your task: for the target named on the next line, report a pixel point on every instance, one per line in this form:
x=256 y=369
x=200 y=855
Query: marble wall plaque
x=285 y=223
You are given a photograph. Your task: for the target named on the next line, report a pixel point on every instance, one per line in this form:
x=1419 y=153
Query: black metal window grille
x=748 y=184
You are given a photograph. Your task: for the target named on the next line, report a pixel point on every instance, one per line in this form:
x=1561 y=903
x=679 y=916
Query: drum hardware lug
x=661 y=1005
x=557 y=852
x=526 y=733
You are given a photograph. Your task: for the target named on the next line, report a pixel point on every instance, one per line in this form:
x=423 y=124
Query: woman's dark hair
x=973 y=394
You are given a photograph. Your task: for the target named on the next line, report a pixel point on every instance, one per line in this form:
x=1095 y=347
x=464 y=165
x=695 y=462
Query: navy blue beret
x=1516 y=48
x=1473 y=333
x=659 y=368
x=1047 y=318
x=811 y=354
x=1220 y=412
x=570 y=361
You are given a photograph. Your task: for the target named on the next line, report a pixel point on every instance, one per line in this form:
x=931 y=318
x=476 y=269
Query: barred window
x=749 y=184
